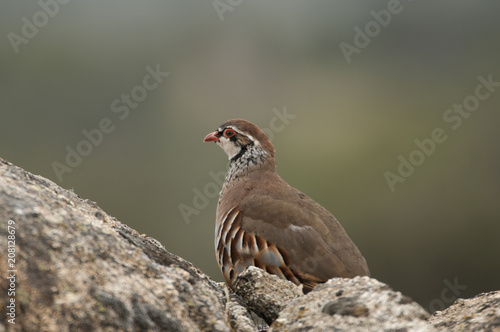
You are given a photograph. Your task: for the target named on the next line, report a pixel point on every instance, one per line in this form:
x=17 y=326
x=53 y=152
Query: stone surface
x=240 y=318
x=357 y=304
x=480 y=313
x=80 y=269
x=265 y=294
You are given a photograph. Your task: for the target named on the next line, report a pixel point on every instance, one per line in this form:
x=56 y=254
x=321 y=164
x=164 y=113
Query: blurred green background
x=352 y=120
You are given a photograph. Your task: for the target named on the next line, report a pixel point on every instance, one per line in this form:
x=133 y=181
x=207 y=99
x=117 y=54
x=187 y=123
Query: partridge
x=262 y=221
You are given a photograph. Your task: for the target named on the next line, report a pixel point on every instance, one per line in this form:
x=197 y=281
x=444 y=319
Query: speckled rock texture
x=480 y=313
x=80 y=269
x=265 y=294
x=357 y=304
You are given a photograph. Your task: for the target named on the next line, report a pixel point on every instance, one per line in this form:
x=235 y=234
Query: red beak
x=211 y=137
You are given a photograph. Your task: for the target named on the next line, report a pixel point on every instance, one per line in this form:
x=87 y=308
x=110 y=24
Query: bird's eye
x=229 y=133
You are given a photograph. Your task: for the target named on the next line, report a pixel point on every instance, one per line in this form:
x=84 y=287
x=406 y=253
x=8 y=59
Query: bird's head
x=240 y=138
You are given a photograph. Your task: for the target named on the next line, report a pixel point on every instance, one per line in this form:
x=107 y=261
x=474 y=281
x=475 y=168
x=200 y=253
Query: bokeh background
x=256 y=59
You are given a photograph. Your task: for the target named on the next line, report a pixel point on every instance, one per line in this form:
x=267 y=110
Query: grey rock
x=240 y=318
x=480 y=313
x=77 y=268
x=80 y=269
x=265 y=294
x=357 y=304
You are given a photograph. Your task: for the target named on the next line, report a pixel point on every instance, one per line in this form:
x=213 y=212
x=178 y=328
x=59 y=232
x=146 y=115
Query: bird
x=263 y=221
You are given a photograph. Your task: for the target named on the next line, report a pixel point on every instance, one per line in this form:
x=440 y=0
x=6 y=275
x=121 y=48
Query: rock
x=71 y=266
x=357 y=304
x=240 y=317
x=480 y=313
x=77 y=268
x=265 y=294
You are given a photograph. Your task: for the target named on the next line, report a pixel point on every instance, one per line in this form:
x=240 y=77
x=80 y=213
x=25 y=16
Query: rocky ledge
x=71 y=266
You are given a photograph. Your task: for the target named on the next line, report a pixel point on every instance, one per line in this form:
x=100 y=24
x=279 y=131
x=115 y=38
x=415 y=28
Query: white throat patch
x=229 y=147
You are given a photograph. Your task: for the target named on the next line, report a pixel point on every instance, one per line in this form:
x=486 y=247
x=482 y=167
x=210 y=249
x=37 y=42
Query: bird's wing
x=278 y=228
x=315 y=241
